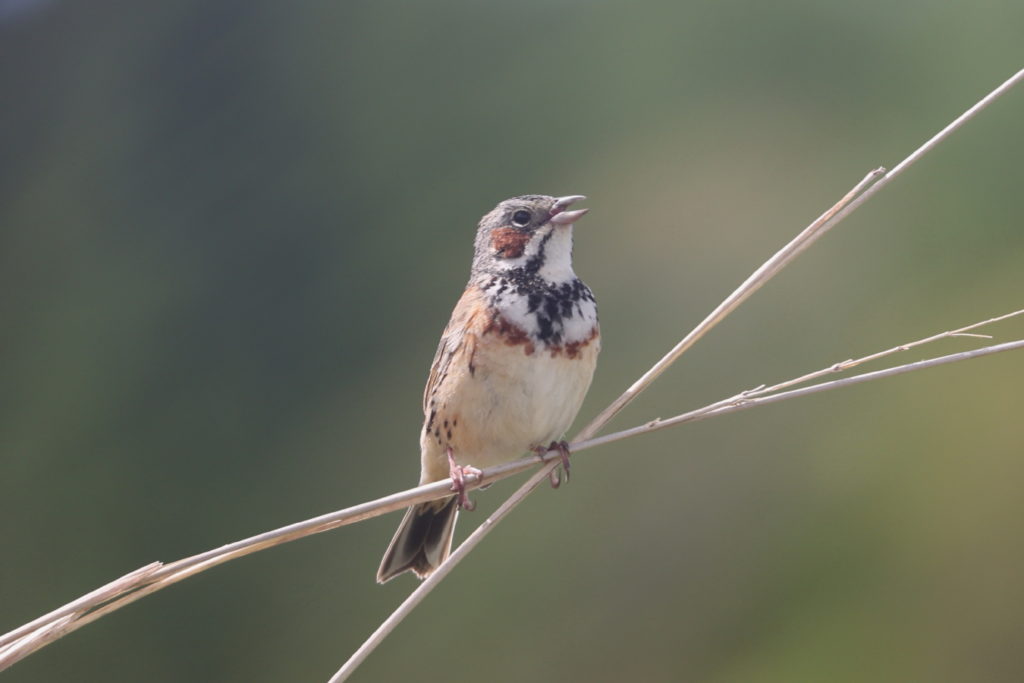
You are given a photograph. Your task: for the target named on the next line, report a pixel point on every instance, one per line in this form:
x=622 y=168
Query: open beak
x=559 y=215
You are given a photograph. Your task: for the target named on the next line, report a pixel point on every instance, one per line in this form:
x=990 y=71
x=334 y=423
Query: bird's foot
x=458 y=474
x=563 y=452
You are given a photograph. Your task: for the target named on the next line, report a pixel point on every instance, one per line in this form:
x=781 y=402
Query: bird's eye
x=521 y=218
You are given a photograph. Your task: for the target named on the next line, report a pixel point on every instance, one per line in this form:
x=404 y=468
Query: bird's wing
x=458 y=341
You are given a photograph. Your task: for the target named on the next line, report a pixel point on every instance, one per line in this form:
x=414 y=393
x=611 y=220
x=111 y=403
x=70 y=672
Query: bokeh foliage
x=230 y=233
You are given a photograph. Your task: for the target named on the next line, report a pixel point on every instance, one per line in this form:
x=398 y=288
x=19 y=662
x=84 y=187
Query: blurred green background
x=231 y=235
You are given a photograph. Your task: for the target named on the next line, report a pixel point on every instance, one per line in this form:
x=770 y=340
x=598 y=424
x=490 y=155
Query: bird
x=511 y=370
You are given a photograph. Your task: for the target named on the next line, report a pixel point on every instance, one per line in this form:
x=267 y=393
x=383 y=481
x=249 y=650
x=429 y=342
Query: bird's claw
x=563 y=452
x=458 y=474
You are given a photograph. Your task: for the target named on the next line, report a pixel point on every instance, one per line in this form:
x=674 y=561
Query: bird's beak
x=559 y=216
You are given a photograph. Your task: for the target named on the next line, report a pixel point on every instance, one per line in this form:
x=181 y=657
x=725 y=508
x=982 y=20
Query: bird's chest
x=518 y=396
x=529 y=365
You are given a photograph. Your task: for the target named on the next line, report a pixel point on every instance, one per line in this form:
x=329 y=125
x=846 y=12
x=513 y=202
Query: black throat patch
x=550 y=304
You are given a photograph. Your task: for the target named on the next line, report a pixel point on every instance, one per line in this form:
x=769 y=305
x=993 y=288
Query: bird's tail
x=423 y=540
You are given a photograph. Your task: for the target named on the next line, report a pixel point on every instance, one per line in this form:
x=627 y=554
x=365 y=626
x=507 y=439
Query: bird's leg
x=563 y=452
x=458 y=474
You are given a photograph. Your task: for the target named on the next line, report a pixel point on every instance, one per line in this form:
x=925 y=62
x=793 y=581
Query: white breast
x=516 y=401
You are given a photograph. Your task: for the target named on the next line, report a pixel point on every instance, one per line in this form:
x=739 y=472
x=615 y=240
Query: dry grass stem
x=32 y=636
x=749 y=399
x=729 y=405
x=741 y=401
x=428 y=584
x=847 y=364
x=151 y=578
x=759 y=277
x=863 y=191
